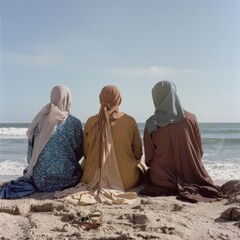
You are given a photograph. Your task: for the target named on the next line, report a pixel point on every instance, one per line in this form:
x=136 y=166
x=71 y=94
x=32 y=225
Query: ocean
x=221 y=144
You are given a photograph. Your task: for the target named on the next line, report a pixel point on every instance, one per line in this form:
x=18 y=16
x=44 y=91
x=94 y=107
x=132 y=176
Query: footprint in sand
x=232 y=213
x=168 y=230
x=231 y=187
x=14 y=210
x=46 y=207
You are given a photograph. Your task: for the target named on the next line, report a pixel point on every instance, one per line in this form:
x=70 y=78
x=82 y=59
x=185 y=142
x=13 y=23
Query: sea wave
x=223 y=170
x=12 y=132
x=221 y=131
x=10 y=167
x=222 y=141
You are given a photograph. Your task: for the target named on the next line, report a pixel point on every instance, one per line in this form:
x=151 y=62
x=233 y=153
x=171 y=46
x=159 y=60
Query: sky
x=86 y=44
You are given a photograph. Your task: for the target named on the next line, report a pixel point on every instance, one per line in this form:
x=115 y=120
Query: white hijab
x=47 y=120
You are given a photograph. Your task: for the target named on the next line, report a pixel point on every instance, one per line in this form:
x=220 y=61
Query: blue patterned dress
x=58 y=165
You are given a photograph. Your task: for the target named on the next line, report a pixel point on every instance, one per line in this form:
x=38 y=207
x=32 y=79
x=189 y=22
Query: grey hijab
x=168 y=108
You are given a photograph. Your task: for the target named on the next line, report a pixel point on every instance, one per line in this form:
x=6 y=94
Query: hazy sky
x=87 y=44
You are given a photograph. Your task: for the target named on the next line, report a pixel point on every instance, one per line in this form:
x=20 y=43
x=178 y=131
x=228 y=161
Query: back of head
x=164 y=95
x=168 y=108
x=61 y=97
x=110 y=97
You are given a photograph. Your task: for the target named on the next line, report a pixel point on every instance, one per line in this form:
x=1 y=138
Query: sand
x=41 y=216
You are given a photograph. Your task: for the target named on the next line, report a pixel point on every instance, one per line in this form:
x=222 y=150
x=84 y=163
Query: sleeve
x=31 y=145
x=79 y=140
x=199 y=138
x=148 y=148
x=137 y=143
x=30 y=148
x=85 y=142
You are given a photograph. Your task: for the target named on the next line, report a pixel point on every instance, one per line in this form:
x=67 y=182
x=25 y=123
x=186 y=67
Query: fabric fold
x=107 y=186
x=46 y=120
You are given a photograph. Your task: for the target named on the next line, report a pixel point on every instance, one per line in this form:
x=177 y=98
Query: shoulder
x=191 y=119
x=190 y=116
x=90 y=122
x=128 y=119
x=91 y=119
x=74 y=120
x=151 y=124
x=150 y=119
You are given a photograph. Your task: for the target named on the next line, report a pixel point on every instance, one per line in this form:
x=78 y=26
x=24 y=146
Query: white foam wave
x=208 y=154
x=9 y=168
x=13 y=132
x=223 y=170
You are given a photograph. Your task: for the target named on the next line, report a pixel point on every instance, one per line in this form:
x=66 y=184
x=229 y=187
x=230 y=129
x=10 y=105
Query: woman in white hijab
x=55 y=143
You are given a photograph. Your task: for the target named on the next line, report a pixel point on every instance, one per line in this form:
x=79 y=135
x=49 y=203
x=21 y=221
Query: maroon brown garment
x=174 y=155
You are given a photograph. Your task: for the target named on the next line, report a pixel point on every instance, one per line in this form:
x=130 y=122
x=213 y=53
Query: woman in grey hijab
x=173 y=150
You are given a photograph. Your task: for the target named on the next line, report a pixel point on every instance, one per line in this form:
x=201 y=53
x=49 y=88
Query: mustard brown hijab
x=110 y=99
x=107 y=173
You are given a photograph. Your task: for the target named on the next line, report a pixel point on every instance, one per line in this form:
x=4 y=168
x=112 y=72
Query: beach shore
x=41 y=216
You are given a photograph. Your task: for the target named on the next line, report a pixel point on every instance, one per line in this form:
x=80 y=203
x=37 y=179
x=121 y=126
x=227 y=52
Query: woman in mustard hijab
x=112 y=151
x=115 y=132
x=173 y=150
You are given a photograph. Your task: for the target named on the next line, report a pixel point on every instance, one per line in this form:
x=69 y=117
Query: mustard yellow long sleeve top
x=128 y=149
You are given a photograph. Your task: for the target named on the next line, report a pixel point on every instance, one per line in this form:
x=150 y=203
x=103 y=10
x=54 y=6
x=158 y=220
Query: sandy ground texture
x=40 y=216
